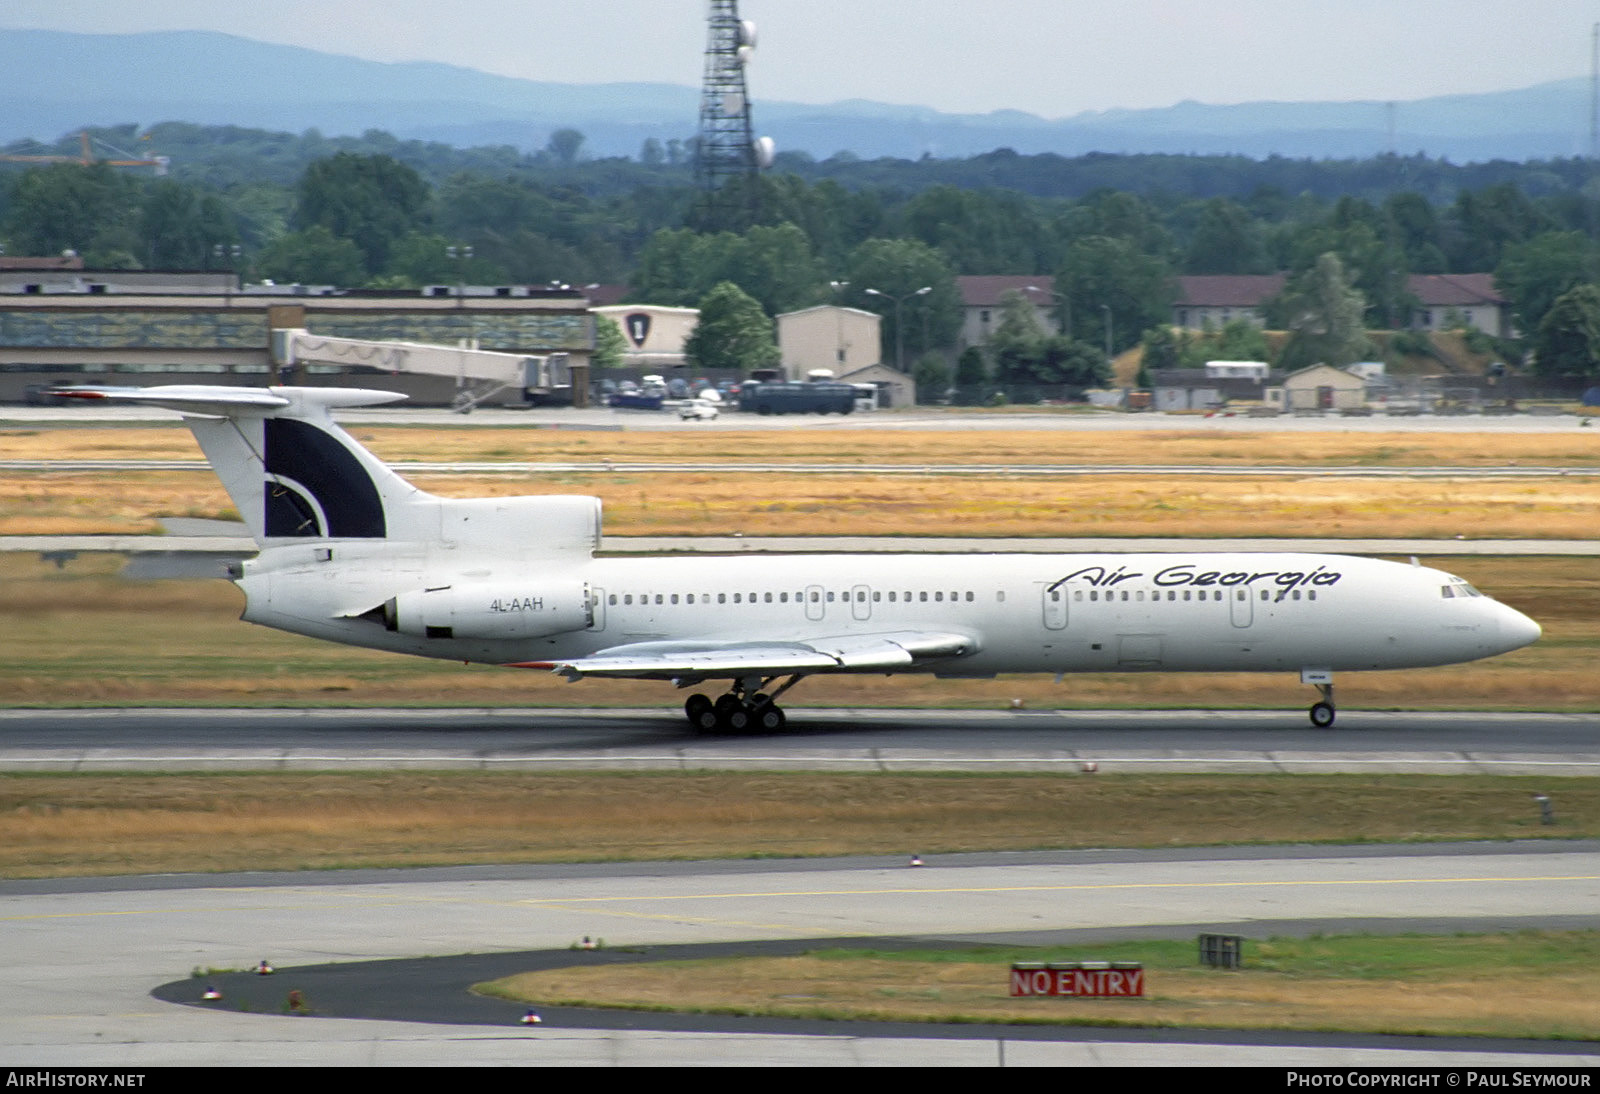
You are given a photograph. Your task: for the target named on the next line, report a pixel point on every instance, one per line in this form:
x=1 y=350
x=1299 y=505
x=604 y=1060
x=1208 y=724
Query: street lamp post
x=460 y=255
x=229 y=255
x=1063 y=301
x=899 y=327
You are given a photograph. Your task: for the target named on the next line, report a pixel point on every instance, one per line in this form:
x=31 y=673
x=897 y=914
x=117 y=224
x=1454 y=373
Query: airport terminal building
x=61 y=324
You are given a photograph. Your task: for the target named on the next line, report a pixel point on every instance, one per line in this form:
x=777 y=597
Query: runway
x=1451 y=742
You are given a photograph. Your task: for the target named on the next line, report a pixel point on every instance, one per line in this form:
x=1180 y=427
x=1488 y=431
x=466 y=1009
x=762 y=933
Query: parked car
x=697 y=409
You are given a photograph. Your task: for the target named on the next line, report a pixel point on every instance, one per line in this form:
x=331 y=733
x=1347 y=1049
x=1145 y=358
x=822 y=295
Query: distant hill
x=56 y=82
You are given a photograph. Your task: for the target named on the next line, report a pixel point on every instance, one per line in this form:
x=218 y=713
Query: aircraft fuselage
x=1023 y=613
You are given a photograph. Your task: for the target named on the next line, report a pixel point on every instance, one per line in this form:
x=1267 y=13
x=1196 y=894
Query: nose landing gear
x=1324 y=712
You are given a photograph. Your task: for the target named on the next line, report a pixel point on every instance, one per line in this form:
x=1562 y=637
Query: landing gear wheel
x=731 y=714
x=1322 y=715
x=768 y=717
x=701 y=712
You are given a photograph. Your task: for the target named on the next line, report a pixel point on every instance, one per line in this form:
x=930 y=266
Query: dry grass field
x=991 y=503
x=72 y=825
x=987 y=504
x=690 y=504
x=1528 y=984
x=846 y=446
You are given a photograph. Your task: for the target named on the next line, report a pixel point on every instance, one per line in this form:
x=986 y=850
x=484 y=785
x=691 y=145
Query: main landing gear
x=745 y=709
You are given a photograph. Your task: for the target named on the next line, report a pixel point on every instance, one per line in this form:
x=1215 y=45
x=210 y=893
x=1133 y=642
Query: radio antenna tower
x=1594 y=92
x=727 y=154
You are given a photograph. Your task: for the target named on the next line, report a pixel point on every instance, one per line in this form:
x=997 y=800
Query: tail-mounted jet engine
x=493 y=610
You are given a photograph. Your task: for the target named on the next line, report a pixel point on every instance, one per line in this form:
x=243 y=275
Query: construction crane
x=86 y=156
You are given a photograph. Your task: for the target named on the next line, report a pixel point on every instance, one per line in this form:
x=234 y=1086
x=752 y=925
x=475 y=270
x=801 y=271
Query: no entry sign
x=1085 y=979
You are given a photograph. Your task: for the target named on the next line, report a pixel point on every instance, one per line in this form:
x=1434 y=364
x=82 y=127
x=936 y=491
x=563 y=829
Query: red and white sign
x=1094 y=981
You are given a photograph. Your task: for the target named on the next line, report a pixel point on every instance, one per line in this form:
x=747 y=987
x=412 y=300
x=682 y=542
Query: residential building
x=1443 y=300
x=983 y=298
x=1215 y=300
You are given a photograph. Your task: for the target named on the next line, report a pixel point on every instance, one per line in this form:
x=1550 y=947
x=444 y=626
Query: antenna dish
x=747 y=33
x=765 y=150
x=746 y=55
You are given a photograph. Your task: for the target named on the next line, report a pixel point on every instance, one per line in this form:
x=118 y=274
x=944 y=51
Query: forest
x=1113 y=230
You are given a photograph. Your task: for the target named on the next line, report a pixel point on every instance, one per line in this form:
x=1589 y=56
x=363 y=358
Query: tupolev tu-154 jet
x=351 y=552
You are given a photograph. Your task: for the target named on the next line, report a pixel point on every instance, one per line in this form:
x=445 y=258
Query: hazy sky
x=1048 y=57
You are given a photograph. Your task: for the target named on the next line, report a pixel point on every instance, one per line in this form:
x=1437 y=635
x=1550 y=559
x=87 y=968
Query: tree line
x=375 y=211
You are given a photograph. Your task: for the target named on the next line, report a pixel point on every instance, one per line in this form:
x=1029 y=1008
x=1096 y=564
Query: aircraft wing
x=888 y=652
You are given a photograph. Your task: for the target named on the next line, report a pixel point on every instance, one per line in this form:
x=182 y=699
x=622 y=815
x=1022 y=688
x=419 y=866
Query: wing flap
x=843 y=653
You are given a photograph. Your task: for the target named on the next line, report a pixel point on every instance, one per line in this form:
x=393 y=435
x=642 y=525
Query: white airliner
x=353 y=553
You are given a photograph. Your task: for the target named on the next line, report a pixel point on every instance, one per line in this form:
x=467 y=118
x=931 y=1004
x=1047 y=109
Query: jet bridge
x=480 y=374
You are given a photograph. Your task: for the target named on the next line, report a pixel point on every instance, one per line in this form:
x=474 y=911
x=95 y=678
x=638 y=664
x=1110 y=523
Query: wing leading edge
x=898 y=650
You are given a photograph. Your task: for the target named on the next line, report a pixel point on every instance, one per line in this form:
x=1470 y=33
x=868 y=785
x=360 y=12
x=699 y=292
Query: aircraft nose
x=1516 y=629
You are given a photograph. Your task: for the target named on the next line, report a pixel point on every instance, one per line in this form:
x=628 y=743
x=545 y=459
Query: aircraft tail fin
x=291 y=471
x=294 y=475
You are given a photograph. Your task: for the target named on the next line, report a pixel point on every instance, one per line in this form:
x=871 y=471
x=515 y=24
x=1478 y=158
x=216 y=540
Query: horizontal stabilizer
x=220 y=401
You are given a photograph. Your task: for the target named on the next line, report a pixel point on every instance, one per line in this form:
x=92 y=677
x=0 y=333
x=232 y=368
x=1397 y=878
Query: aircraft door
x=860 y=602
x=1241 y=607
x=1055 y=607
x=814 y=602
x=597 y=609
